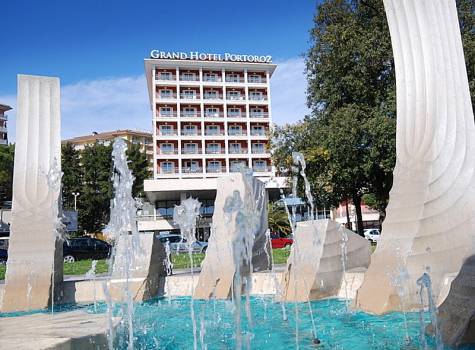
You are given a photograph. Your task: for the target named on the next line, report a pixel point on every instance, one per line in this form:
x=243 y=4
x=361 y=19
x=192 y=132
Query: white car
x=372 y=234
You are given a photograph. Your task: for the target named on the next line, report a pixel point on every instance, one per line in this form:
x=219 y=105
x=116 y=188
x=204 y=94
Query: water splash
x=91 y=275
x=185 y=216
x=123 y=223
x=298 y=158
x=344 y=258
x=168 y=261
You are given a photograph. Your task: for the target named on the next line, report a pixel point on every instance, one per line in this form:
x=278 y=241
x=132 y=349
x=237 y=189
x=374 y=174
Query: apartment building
x=3 y=124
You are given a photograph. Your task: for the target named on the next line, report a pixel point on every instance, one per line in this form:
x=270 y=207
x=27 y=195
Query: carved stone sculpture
x=220 y=265
x=35 y=261
x=321 y=252
x=430 y=222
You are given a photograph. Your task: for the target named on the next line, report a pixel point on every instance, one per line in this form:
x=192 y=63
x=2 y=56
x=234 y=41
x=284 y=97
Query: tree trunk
x=359 y=215
x=348 y=221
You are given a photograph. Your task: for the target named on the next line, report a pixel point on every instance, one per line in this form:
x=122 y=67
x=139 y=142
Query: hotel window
x=190 y=130
x=260 y=165
x=211 y=95
x=234 y=112
x=235 y=148
x=213 y=148
x=166 y=130
x=254 y=78
x=257 y=130
x=166 y=93
x=214 y=166
x=166 y=148
x=235 y=130
x=189 y=112
x=212 y=130
x=188 y=77
x=255 y=95
x=191 y=166
x=188 y=94
x=236 y=165
x=232 y=78
x=165 y=76
x=167 y=167
x=211 y=77
x=257 y=112
x=166 y=111
x=234 y=95
x=212 y=112
x=258 y=148
x=190 y=148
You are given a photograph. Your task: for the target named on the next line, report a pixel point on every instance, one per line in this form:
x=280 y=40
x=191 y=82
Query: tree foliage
x=278 y=219
x=72 y=174
x=139 y=165
x=6 y=172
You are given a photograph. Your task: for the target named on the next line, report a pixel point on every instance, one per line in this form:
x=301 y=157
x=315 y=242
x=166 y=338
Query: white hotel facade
x=210 y=118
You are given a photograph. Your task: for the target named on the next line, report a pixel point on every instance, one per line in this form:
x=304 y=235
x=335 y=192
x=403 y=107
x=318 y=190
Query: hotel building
x=210 y=118
x=3 y=124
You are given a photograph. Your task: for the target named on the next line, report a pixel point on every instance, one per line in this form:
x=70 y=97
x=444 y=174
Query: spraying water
x=123 y=224
x=343 y=244
x=91 y=275
x=168 y=261
x=424 y=282
x=185 y=216
x=298 y=158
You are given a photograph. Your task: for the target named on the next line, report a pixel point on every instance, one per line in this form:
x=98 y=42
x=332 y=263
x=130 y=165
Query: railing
x=234 y=79
x=166 y=96
x=185 y=150
x=258 y=151
x=189 y=97
x=3 y=142
x=196 y=132
x=237 y=115
x=166 y=114
x=208 y=96
x=261 y=169
x=237 y=168
x=257 y=98
x=256 y=80
x=237 y=133
x=259 y=114
x=237 y=151
x=214 y=132
x=190 y=114
x=258 y=132
x=3 y=116
x=171 y=132
x=191 y=170
x=194 y=77
x=214 y=114
x=235 y=98
x=168 y=171
x=165 y=77
x=167 y=151
x=215 y=169
x=214 y=151
x=3 y=129
x=213 y=79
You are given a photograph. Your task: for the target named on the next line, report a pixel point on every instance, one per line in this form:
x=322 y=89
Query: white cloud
x=288 y=85
x=122 y=103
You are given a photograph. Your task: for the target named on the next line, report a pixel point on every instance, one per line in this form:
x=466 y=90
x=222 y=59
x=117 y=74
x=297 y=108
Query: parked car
x=85 y=248
x=179 y=245
x=280 y=242
x=372 y=234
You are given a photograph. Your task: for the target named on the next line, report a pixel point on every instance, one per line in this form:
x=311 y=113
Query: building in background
x=346 y=212
x=211 y=116
x=144 y=139
x=3 y=124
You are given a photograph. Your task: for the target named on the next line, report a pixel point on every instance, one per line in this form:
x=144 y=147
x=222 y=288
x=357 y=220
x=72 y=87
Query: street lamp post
x=75 y=194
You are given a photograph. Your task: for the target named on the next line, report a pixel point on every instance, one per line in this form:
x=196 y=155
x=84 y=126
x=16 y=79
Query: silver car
x=179 y=245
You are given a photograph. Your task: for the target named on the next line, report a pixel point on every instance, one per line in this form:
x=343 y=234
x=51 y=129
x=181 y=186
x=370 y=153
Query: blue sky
x=97 y=49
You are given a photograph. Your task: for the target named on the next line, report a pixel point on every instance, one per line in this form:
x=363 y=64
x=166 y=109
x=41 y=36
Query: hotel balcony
x=215 y=169
x=257 y=97
x=214 y=150
x=258 y=150
x=258 y=132
x=236 y=168
x=231 y=97
x=194 y=150
x=256 y=80
x=190 y=114
x=261 y=169
x=189 y=77
x=161 y=114
x=213 y=79
x=214 y=132
x=236 y=114
x=167 y=151
x=185 y=96
x=166 y=96
x=237 y=132
x=168 y=132
x=165 y=77
x=233 y=79
x=168 y=171
x=192 y=170
x=259 y=114
x=214 y=114
x=211 y=96
x=3 y=142
x=3 y=129
x=237 y=150
x=3 y=117
x=195 y=132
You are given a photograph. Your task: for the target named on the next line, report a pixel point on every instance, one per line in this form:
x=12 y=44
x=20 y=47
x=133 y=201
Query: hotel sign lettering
x=201 y=56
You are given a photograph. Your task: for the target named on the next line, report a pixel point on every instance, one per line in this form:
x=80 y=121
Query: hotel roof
x=107 y=136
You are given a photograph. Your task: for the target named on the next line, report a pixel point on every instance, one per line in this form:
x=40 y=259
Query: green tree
x=139 y=165
x=72 y=174
x=278 y=219
x=96 y=189
x=7 y=155
x=466 y=14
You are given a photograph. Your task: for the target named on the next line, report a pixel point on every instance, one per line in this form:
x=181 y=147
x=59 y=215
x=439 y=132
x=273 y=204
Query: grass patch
x=82 y=266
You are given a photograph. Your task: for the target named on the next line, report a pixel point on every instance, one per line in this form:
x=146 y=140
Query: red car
x=280 y=242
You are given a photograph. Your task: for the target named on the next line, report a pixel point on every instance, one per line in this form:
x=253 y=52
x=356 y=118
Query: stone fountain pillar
x=315 y=266
x=430 y=222
x=218 y=268
x=35 y=261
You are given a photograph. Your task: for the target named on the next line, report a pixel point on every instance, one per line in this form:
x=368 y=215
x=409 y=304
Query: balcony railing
x=215 y=169
x=258 y=151
x=3 y=117
x=190 y=114
x=258 y=132
x=166 y=114
x=171 y=132
x=235 y=97
x=3 y=129
x=189 y=96
x=237 y=150
x=237 y=115
x=261 y=169
x=214 y=150
x=213 y=79
x=161 y=77
x=237 y=168
x=214 y=132
x=214 y=114
x=196 y=150
x=237 y=133
x=257 y=98
x=208 y=96
x=166 y=96
x=234 y=79
x=256 y=80
x=3 y=142
x=168 y=171
x=194 y=77
x=259 y=114
x=196 y=132
x=167 y=151
x=192 y=170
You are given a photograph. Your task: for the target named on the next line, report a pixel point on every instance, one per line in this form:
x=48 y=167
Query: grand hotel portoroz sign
x=201 y=56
